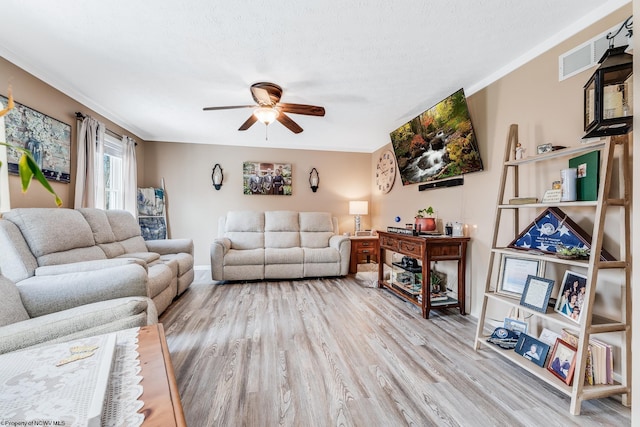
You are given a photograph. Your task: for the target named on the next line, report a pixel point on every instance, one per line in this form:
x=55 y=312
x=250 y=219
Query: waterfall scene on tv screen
x=438 y=144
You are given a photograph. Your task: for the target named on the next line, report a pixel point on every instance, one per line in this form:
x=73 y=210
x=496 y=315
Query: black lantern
x=216 y=176
x=608 y=102
x=314 y=179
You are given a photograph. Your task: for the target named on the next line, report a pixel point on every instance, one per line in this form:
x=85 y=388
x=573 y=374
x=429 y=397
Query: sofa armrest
x=343 y=245
x=219 y=248
x=84 y=266
x=170 y=246
x=47 y=294
x=79 y=322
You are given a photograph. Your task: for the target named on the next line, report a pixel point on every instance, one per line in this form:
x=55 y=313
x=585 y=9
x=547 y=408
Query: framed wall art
x=48 y=139
x=267 y=178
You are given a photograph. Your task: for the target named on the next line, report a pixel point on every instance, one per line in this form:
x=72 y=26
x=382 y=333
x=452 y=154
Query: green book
x=588 y=166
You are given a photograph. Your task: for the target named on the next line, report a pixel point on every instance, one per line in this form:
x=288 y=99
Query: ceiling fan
x=269 y=108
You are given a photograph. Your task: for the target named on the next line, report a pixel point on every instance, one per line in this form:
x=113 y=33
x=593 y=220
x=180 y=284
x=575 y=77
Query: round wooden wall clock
x=386 y=171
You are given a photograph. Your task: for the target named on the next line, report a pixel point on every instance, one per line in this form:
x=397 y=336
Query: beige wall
x=35 y=94
x=546 y=110
x=194 y=206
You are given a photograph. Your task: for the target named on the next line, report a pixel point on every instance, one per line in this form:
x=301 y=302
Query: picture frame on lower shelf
x=532 y=349
x=562 y=361
x=514 y=271
x=537 y=291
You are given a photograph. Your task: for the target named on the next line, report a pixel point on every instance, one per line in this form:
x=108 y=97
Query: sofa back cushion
x=56 y=235
x=282 y=229
x=316 y=228
x=12 y=308
x=126 y=231
x=16 y=260
x=102 y=232
x=245 y=229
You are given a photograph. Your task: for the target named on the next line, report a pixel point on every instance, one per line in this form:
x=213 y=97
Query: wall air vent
x=588 y=54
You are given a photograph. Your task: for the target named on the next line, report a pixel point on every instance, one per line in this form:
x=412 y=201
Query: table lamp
x=357 y=208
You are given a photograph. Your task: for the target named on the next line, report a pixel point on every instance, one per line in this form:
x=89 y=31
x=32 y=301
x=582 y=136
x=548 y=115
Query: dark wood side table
x=425 y=249
x=364 y=249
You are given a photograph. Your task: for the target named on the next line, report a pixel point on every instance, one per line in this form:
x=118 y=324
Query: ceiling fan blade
x=261 y=95
x=228 y=108
x=309 y=110
x=288 y=123
x=250 y=121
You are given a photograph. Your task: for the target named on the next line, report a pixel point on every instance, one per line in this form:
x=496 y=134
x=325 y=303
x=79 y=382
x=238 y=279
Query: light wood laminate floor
x=333 y=352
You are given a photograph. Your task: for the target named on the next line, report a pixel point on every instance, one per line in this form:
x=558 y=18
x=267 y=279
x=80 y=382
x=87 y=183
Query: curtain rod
x=81 y=116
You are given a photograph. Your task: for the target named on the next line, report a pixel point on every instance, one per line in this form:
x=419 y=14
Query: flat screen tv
x=439 y=144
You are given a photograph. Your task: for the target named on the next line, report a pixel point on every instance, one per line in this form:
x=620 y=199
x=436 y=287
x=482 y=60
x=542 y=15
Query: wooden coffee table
x=162 y=406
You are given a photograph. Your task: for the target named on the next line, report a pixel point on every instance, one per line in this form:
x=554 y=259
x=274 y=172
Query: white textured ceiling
x=151 y=65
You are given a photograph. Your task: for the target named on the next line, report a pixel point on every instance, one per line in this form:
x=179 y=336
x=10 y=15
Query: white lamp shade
x=359 y=207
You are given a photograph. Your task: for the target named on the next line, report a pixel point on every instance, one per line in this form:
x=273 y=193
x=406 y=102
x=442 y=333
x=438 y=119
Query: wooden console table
x=162 y=406
x=425 y=249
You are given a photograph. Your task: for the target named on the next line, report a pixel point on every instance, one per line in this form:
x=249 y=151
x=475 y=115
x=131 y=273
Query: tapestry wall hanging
x=551 y=229
x=48 y=139
x=267 y=178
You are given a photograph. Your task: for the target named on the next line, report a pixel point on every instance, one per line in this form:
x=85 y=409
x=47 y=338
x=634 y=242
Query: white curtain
x=90 y=171
x=130 y=175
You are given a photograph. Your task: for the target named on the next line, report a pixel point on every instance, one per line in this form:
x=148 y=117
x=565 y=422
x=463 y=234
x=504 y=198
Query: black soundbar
x=440 y=184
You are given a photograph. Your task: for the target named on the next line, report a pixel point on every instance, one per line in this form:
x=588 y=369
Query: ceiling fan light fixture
x=266 y=115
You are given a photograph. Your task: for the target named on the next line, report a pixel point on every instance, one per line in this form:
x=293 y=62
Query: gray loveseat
x=278 y=245
x=54 y=255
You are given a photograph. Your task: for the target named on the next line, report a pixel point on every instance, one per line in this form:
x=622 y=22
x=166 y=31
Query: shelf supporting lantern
x=314 y=179
x=608 y=100
x=216 y=176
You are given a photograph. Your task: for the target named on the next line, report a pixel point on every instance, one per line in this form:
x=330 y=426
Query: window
x=113 y=173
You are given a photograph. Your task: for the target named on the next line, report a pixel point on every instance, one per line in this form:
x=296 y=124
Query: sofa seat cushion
x=148 y=257
x=183 y=260
x=12 y=308
x=283 y=256
x=159 y=279
x=244 y=257
x=320 y=255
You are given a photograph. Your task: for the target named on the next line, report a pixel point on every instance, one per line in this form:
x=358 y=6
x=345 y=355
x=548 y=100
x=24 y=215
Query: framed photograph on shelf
x=548 y=336
x=532 y=349
x=562 y=361
x=536 y=294
x=514 y=272
x=515 y=325
x=571 y=296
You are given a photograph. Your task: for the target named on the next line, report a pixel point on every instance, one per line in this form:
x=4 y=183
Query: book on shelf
x=599 y=366
x=439 y=296
x=523 y=200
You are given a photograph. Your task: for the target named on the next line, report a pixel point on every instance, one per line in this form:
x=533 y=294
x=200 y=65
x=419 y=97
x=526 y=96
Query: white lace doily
x=122 y=404
x=34 y=390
